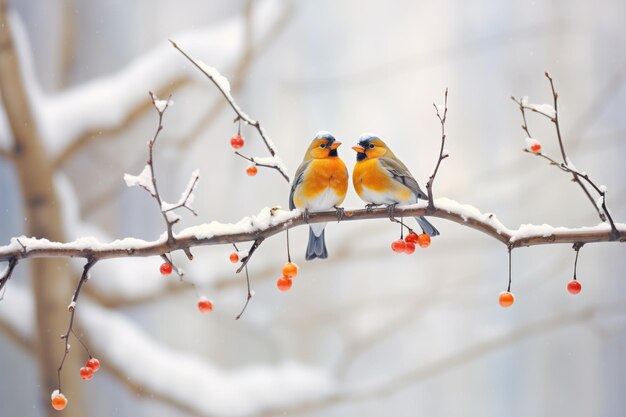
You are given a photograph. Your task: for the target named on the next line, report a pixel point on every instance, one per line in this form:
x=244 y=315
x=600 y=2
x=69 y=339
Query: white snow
x=271 y=161
x=144 y=180
x=161 y=105
x=221 y=81
x=545 y=109
x=530 y=142
x=603 y=189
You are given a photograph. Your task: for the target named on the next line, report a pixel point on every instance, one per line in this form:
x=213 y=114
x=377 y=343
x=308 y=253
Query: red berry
x=423 y=240
x=251 y=171
x=574 y=287
x=86 y=373
x=284 y=283
x=506 y=299
x=234 y=257
x=237 y=141
x=93 y=363
x=205 y=305
x=166 y=268
x=411 y=238
x=58 y=400
x=535 y=147
x=290 y=270
x=398 y=246
x=410 y=248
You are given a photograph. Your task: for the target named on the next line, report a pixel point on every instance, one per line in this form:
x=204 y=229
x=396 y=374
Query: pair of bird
x=379 y=177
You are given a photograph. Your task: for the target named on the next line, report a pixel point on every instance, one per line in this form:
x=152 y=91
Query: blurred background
x=366 y=332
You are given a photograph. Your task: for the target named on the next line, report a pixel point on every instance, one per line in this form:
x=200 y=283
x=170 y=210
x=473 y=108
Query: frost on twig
x=223 y=85
x=534 y=146
x=147 y=178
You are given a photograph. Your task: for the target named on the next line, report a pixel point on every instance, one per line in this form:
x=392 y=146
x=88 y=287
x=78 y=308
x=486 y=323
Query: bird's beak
x=359 y=149
x=335 y=145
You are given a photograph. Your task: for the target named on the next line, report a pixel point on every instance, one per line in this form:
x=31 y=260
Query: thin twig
x=240 y=114
x=253 y=248
x=576 y=247
x=248 y=297
x=72 y=308
x=442 y=155
x=6 y=276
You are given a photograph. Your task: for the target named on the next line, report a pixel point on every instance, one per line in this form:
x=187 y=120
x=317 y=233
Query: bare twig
x=442 y=153
x=6 y=276
x=241 y=116
x=555 y=119
x=72 y=309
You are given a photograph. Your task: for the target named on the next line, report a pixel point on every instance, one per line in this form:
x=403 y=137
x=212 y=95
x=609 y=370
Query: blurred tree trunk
x=51 y=278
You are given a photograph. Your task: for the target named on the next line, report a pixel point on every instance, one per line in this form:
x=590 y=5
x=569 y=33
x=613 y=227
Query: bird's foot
x=392 y=209
x=340 y=213
x=369 y=207
x=305 y=215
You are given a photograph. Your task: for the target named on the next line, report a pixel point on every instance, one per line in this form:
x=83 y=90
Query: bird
x=379 y=177
x=320 y=184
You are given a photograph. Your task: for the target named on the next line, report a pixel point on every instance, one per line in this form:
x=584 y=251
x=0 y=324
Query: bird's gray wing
x=400 y=173
x=297 y=180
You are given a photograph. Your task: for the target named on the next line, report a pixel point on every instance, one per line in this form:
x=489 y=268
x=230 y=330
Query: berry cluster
x=290 y=270
x=58 y=400
x=407 y=245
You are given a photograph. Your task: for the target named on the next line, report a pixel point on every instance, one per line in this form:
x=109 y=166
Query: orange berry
x=205 y=305
x=93 y=363
x=166 y=268
x=284 y=283
x=411 y=238
x=237 y=141
x=290 y=270
x=251 y=171
x=234 y=257
x=506 y=299
x=58 y=400
x=398 y=246
x=423 y=240
x=574 y=287
x=410 y=248
x=535 y=147
x=86 y=373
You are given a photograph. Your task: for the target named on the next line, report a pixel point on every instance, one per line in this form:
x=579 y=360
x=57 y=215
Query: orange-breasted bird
x=379 y=177
x=320 y=184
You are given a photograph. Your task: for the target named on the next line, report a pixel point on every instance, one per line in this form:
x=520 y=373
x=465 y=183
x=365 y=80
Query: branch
x=223 y=86
x=442 y=152
x=272 y=221
x=553 y=114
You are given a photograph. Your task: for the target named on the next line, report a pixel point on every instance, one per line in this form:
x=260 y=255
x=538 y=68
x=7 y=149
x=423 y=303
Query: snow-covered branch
x=271 y=221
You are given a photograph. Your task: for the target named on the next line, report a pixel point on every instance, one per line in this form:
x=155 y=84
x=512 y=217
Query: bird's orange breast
x=368 y=173
x=321 y=175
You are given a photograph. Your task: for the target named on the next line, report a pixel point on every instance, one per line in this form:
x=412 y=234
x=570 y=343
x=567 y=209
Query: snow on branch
x=534 y=146
x=270 y=221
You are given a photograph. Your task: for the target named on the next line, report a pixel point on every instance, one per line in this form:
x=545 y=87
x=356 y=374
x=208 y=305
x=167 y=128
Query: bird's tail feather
x=317 y=246
x=428 y=228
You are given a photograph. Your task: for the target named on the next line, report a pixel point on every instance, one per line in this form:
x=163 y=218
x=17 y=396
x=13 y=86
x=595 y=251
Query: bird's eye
x=323 y=145
x=371 y=146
